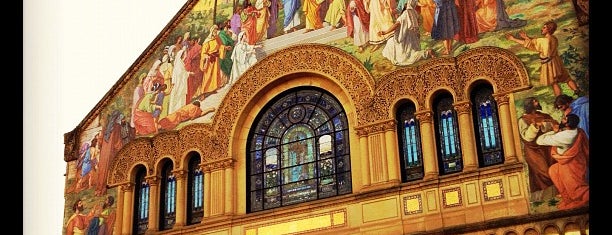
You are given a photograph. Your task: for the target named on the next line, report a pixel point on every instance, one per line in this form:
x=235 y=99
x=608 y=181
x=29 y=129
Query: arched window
x=409 y=138
x=486 y=123
x=168 y=199
x=141 y=202
x=447 y=135
x=298 y=150
x=195 y=189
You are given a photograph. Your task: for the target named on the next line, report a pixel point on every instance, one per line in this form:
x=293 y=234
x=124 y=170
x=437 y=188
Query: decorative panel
x=452 y=197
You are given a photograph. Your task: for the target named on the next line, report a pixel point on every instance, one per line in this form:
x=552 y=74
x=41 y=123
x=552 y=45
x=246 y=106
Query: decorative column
x=466 y=135
x=153 y=182
x=505 y=120
x=119 y=211
x=128 y=207
x=229 y=187
x=181 y=196
x=364 y=157
x=392 y=151
x=428 y=142
x=206 y=199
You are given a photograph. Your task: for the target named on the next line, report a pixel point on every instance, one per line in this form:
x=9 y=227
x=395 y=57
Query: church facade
x=240 y=119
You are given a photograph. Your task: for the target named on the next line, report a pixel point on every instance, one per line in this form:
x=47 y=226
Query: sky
x=74 y=51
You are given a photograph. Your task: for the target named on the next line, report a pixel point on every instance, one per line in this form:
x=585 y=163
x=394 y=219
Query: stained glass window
x=409 y=138
x=484 y=112
x=447 y=135
x=298 y=150
x=141 y=202
x=195 y=184
x=168 y=200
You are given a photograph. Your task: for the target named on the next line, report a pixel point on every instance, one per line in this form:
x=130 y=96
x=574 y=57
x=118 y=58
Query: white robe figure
x=178 y=96
x=404 y=48
x=243 y=57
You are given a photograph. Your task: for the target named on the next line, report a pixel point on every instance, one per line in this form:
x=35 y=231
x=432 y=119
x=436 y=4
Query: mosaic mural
x=207 y=48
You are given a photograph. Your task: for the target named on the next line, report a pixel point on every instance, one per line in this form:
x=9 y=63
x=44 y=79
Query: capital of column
x=227 y=163
x=152 y=180
x=424 y=116
x=389 y=125
x=206 y=167
x=501 y=99
x=127 y=187
x=180 y=174
x=361 y=132
x=218 y=165
x=463 y=107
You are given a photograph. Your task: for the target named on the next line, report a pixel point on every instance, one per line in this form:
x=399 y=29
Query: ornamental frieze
x=463 y=107
x=371 y=103
x=503 y=67
x=501 y=99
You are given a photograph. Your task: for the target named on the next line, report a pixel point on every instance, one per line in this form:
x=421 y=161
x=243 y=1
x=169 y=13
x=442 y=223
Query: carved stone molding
x=372 y=104
x=71 y=145
x=299 y=60
x=361 y=132
x=166 y=143
x=501 y=99
x=133 y=153
x=180 y=174
x=424 y=116
x=500 y=67
x=219 y=165
x=152 y=180
x=389 y=125
x=127 y=187
x=377 y=127
x=463 y=107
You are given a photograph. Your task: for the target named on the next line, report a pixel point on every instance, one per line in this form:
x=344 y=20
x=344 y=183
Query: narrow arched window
x=447 y=135
x=141 y=202
x=409 y=138
x=195 y=196
x=167 y=207
x=486 y=123
x=298 y=150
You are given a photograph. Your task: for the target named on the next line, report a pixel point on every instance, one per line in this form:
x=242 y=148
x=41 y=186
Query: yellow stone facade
x=491 y=200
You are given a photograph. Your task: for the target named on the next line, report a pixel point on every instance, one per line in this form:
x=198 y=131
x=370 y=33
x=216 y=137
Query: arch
x=477 y=82
x=298 y=150
x=486 y=124
x=167 y=194
x=195 y=188
x=531 y=231
x=330 y=65
x=502 y=68
x=434 y=94
x=139 y=151
x=159 y=165
x=183 y=164
x=409 y=141
x=400 y=101
x=332 y=69
x=248 y=118
x=140 y=211
x=447 y=133
x=571 y=228
x=551 y=230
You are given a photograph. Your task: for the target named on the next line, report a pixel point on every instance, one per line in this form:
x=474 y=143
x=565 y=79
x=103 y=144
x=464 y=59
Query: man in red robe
x=570 y=147
x=78 y=222
x=185 y=113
